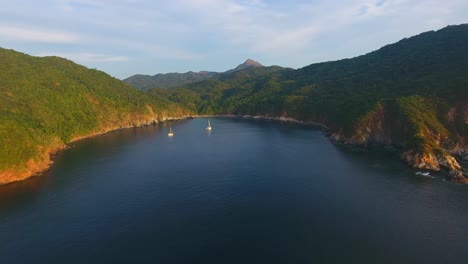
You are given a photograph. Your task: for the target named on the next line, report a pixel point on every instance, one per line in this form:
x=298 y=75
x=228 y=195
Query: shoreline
x=457 y=176
x=272 y=118
x=51 y=154
x=42 y=167
x=156 y=122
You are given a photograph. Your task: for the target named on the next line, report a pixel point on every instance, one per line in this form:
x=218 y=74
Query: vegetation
x=221 y=94
x=146 y=82
x=431 y=65
x=47 y=102
x=413 y=93
x=169 y=80
x=421 y=83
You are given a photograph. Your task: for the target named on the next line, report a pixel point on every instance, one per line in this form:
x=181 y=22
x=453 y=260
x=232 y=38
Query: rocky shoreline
x=429 y=161
x=420 y=161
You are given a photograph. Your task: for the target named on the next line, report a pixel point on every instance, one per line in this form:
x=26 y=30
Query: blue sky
x=125 y=37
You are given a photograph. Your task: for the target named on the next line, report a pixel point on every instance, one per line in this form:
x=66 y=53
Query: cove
x=249 y=191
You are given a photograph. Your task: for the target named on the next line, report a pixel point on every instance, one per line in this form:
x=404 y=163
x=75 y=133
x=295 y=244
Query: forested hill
x=47 y=102
x=413 y=94
x=169 y=80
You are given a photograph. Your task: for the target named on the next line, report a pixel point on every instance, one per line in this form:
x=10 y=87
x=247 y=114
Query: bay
x=246 y=192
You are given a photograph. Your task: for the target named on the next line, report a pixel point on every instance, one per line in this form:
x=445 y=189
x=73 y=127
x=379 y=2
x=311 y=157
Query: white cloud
x=31 y=34
x=290 y=33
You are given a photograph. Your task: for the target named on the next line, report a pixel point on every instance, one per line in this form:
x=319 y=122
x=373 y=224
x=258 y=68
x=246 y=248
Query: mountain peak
x=252 y=63
x=248 y=64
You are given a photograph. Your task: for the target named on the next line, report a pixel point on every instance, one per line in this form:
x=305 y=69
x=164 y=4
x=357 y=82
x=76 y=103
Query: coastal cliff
x=389 y=124
x=416 y=127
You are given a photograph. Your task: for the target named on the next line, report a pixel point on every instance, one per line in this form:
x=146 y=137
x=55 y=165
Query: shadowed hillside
x=168 y=80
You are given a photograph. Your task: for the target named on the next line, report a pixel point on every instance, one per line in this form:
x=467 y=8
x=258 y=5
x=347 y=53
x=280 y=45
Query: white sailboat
x=171 y=133
x=423 y=173
x=209 y=126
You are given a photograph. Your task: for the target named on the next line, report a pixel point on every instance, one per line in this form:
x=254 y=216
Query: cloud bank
x=180 y=35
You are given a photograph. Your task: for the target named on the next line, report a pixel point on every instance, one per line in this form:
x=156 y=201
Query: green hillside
x=413 y=94
x=167 y=80
x=47 y=102
x=220 y=94
x=170 y=80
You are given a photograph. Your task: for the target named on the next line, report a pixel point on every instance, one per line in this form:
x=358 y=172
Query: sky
x=126 y=37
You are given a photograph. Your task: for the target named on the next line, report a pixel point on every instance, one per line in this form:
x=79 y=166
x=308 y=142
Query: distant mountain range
x=168 y=80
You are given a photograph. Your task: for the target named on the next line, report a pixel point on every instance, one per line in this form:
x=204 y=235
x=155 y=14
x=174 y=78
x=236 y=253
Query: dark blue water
x=249 y=192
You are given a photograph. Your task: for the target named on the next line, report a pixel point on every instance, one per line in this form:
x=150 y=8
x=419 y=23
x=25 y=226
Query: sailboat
x=209 y=126
x=171 y=133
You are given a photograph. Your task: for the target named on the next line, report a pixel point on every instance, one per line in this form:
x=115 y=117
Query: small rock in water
x=457 y=176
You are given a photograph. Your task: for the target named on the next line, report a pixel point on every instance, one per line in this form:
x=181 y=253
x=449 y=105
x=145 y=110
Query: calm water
x=249 y=192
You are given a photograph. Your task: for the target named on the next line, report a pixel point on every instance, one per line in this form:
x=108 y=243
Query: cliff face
x=429 y=134
x=430 y=161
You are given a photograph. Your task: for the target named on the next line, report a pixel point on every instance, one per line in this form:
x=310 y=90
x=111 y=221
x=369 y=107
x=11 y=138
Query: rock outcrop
x=435 y=162
x=425 y=146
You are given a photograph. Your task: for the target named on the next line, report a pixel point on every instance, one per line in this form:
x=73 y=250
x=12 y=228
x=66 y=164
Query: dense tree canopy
x=47 y=102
